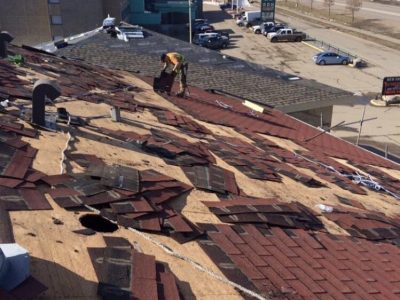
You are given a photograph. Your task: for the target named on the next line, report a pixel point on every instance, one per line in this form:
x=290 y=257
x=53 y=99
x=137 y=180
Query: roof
x=200 y=197
x=208 y=70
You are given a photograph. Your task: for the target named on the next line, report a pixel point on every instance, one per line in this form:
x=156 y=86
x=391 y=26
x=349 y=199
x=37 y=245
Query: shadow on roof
x=61 y=282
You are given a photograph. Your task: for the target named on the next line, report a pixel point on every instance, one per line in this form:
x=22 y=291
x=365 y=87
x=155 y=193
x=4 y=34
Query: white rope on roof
x=223 y=105
x=365 y=180
x=62 y=165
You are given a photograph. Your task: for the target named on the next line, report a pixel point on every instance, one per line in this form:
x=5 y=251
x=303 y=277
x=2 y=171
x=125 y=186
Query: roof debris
x=272 y=246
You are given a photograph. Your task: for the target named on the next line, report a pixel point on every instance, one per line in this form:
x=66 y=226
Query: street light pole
x=190 y=21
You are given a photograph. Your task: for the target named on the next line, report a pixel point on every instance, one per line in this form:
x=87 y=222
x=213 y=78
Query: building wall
x=115 y=8
x=77 y=16
x=161 y=10
x=27 y=20
x=31 y=22
x=313 y=116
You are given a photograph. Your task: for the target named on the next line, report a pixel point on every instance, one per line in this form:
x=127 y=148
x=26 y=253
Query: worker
x=179 y=67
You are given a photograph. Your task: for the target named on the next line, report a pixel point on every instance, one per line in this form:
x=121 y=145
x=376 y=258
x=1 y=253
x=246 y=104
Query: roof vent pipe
x=5 y=38
x=41 y=90
x=14 y=266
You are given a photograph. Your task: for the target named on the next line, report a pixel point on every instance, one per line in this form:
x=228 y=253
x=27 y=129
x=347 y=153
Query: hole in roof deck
x=97 y=223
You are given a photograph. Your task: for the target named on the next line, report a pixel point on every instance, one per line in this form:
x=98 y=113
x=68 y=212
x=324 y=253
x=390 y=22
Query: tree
x=353 y=6
x=311 y=4
x=329 y=4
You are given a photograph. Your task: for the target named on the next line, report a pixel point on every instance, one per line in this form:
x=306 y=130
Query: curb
x=312 y=46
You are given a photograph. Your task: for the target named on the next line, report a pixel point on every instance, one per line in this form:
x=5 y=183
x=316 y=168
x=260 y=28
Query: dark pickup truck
x=286 y=35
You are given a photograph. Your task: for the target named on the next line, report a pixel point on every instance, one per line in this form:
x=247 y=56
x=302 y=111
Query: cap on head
x=163 y=57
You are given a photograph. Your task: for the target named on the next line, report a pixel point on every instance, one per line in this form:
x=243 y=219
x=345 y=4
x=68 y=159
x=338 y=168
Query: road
x=369 y=9
x=383 y=61
x=372 y=16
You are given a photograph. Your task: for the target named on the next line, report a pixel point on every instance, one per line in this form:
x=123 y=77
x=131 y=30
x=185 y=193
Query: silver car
x=330 y=58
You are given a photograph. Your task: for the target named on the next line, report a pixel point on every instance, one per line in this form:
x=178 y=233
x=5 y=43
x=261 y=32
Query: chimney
x=41 y=90
x=5 y=38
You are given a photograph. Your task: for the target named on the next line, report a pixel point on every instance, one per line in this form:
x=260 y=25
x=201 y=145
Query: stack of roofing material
x=271 y=212
x=182 y=122
x=176 y=150
x=213 y=178
x=125 y=273
x=257 y=163
x=173 y=149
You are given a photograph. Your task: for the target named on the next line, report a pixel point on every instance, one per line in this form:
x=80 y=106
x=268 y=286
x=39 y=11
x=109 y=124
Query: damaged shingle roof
x=193 y=174
x=207 y=70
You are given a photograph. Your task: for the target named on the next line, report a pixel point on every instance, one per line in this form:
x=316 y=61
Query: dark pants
x=183 y=77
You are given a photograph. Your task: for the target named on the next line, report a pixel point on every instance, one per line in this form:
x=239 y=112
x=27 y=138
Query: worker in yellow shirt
x=179 y=67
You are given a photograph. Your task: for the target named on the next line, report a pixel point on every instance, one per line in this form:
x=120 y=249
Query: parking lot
x=294 y=58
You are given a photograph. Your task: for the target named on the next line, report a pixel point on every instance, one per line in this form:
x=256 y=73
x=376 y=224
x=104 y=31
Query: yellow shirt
x=174 y=58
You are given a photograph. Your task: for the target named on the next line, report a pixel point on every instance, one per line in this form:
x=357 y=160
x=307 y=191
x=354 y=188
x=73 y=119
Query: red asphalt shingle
x=293 y=263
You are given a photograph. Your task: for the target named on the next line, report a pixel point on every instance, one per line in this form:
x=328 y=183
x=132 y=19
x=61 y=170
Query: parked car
x=257 y=29
x=227 y=6
x=197 y=22
x=201 y=28
x=330 y=58
x=201 y=38
x=216 y=43
x=275 y=28
x=286 y=35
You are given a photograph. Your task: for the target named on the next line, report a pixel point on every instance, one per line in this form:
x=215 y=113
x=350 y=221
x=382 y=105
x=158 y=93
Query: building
x=304 y=99
x=36 y=21
x=162 y=12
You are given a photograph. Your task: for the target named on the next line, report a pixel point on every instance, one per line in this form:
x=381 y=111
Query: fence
x=328 y=47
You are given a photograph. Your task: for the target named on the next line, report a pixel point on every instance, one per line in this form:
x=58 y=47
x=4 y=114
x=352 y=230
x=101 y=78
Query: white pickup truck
x=286 y=35
x=257 y=29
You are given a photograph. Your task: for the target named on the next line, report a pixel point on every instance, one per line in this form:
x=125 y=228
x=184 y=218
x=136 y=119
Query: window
x=56 y=20
x=54 y=1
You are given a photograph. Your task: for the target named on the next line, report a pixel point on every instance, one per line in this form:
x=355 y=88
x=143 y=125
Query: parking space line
x=312 y=46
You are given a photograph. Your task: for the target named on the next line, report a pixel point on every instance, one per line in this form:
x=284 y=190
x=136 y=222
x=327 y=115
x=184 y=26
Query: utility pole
x=361 y=125
x=190 y=21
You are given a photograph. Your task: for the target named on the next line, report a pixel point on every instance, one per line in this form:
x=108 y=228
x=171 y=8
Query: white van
x=248 y=17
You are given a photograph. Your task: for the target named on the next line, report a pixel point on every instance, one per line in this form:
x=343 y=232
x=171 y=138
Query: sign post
x=268 y=10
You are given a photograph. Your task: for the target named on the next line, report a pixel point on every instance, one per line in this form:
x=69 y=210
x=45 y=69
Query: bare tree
x=311 y=4
x=329 y=4
x=353 y=6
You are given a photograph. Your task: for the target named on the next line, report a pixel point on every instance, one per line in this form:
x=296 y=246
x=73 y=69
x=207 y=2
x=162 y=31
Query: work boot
x=181 y=94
